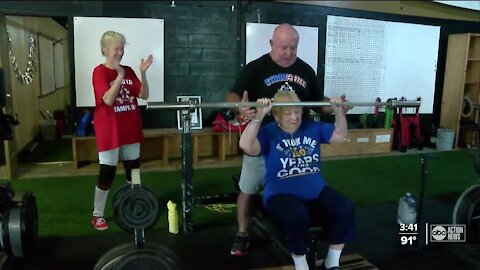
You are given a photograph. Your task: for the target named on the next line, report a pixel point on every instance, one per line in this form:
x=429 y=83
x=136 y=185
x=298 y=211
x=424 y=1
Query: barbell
x=194 y=105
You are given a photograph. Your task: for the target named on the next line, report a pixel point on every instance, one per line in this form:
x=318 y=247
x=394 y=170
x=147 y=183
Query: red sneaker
x=99 y=223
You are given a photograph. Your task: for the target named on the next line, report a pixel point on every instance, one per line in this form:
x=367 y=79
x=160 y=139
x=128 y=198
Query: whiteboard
x=475 y=5
x=258 y=42
x=58 y=50
x=47 y=74
x=144 y=37
x=366 y=59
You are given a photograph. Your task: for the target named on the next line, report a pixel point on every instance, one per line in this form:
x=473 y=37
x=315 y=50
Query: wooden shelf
x=164 y=144
x=462 y=77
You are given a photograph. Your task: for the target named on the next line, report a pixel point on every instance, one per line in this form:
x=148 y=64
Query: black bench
x=276 y=235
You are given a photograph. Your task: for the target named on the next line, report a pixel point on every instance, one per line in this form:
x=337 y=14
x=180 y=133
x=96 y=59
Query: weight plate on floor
x=111 y=257
x=146 y=259
x=467 y=211
x=126 y=256
x=138 y=208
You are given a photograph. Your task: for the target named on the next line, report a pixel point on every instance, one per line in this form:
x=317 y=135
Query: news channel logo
x=448 y=233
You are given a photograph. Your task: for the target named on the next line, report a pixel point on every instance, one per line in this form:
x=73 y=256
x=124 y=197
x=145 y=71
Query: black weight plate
x=476 y=162
x=19 y=226
x=15 y=224
x=146 y=259
x=459 y=211
x=164 y=250
x=463 y=208
x=29 y=223
x=5 y=233
x=138 y=208
x=125 y=255
x=111 y=257
x=473 y=222
x=117 y=196
x=154 y=256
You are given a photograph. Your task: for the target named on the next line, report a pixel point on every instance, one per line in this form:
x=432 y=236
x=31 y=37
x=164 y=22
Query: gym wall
x=26 y=98
x=204 y=40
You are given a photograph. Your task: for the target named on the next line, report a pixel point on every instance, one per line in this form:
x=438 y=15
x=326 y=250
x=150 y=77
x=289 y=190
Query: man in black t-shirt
x=279 y=70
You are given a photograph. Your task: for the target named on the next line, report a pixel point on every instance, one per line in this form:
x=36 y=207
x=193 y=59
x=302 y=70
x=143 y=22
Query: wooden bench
x=361 y=142
x=164 y=144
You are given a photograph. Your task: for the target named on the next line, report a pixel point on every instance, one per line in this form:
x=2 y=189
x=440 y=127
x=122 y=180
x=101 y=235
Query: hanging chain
x=26 y=77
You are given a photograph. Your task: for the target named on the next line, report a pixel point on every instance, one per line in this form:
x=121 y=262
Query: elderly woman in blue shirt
x=296 y=195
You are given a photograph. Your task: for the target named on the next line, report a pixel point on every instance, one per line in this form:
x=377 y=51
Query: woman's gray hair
x=110 y=37
x=283 y=96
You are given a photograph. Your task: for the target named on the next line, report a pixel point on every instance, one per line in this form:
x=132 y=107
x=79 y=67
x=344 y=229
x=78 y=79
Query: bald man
x=279 y=70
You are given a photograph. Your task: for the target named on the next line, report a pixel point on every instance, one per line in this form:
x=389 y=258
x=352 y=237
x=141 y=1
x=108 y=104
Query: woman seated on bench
x=296 y=196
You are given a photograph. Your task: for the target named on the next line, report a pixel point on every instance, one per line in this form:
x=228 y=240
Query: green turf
x=65 y=203
x=381 y=179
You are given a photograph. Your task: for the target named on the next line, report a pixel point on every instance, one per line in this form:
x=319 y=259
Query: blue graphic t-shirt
x=293 y=160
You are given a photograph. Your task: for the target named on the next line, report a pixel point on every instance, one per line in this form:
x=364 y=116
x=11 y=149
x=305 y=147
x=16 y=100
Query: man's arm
x=240 y=91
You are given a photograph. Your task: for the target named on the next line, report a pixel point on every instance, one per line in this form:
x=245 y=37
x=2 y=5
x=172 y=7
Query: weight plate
x=138 y=208
x=15 y=231
x=154 y=256
x=29 y=223
x=119 y=193
x=126 y=256
x=466 y=210
x=473 y=222
x=111 y=257
x=145 y=259
x=20 y=226
x=476 y=162
x=4 y=232
x=459 y=211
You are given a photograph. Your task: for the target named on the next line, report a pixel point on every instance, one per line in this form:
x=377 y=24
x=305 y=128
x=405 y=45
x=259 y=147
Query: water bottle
x=82 y=128
x=407 y=209
x=172 y=217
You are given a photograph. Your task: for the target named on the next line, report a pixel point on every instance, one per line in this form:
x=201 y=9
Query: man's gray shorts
x=252 y=178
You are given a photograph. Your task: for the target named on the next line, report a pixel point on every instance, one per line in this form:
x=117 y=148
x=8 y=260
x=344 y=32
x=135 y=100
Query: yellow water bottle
x=172 y=217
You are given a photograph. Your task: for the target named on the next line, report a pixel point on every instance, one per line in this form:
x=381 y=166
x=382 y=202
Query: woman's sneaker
x=240 y=245
x=99 y=223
